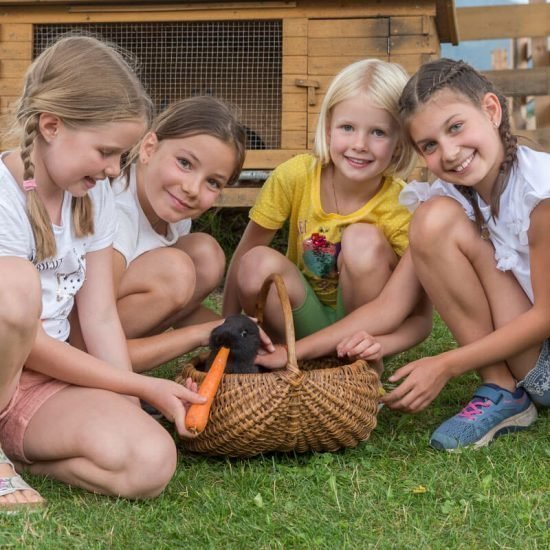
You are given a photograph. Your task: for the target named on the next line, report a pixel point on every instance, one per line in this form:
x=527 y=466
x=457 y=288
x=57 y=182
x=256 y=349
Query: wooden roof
x=445 y=9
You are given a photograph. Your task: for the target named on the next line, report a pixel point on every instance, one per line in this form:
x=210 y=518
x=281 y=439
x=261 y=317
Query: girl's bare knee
x=434 y=223
x=256 y=265
x=141 y=468
x=20 y=296
x=174 y=283
x=209 y=260
x=153 y=467
x=365 y=248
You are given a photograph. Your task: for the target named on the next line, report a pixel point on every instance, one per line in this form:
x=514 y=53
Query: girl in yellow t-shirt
x=347 y=230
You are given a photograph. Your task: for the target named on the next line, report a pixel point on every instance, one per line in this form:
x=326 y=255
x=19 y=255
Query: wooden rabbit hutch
x=271 y=59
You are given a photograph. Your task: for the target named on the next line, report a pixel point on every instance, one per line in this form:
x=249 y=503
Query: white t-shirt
x=63 y=275
x=135 y=235
x=528 y=184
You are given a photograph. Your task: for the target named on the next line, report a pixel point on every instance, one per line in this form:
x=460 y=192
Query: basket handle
x=277 y=279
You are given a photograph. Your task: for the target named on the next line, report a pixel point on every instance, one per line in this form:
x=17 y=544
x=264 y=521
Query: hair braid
x=443 y=79
x=471 y=197
x=38 y=216
x=510 y=143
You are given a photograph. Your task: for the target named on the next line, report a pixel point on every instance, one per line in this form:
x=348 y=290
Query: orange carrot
x=198 y=413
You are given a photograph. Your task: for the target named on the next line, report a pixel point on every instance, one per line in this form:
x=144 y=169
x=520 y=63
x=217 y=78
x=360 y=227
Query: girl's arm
x=69 y=364
x=151 y=351
x=254 y=235
x=416 y=328
x=425 y=378
x=382 y=316
x=97 y=312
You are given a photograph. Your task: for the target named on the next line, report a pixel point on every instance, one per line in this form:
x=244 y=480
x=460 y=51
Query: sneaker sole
x=516 y=423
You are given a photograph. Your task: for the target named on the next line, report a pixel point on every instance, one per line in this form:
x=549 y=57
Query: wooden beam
x=510 y=21
x=446 y=22
x=237 y=196
x=521 y=82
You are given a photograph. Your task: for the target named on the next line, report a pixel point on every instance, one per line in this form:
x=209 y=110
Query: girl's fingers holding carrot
x=179 y=422
x=197 y=415
x=191 y=385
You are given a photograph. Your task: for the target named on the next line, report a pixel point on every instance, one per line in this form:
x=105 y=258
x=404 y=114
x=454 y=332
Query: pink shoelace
x=474 y=408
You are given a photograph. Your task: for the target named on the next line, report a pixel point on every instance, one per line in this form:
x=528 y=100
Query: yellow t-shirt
x=293 y=192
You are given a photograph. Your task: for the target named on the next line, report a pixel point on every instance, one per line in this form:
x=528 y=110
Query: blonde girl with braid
x=479 y=242
x=65 y=413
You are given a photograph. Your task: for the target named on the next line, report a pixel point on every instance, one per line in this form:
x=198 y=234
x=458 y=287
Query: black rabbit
x=241 y=335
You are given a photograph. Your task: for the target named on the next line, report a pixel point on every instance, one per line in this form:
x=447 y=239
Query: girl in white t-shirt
x=162 y=271
x=480 y=249
x=64 y=412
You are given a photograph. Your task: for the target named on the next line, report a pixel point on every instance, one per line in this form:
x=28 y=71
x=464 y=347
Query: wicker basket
x=316 y=405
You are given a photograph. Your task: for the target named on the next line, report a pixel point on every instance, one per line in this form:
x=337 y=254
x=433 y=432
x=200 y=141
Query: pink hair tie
x=28 y=185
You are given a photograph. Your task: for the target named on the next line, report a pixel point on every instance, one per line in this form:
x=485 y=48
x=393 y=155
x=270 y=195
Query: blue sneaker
x=493 y=411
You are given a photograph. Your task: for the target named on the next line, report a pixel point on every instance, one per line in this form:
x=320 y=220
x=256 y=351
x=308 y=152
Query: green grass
x=392 y=491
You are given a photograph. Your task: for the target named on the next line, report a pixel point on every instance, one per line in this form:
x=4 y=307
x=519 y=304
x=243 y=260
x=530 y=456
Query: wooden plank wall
x=15 y=57
x=319 y=38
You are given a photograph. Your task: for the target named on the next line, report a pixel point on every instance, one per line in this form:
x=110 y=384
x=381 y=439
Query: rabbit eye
x=244 y=332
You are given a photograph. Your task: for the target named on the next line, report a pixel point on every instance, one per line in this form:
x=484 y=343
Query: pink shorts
x=33 y=391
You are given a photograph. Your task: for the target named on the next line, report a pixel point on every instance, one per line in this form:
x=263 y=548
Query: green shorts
x=313 y=315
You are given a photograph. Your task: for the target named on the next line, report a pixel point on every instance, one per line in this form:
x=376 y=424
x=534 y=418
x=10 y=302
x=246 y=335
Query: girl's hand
x=207 y=328
x=172 y=400
x=191 y=386
x=267 y=344
x=276 y=359
x=360 y=345
x=424 y=379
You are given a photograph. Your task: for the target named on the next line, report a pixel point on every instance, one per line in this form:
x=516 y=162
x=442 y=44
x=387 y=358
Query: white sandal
x=12 y=484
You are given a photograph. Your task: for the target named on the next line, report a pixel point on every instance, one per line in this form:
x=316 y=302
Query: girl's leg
x=254 y=267
x=365 y=263
x=100 y=441
x=458 y=270
x=156 y=286
x=208 y=258
x=20 y=306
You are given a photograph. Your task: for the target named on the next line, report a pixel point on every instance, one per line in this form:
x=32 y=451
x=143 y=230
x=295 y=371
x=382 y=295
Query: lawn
x=392 y=491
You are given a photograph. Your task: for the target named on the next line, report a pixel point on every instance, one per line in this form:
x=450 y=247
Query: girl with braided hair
x=479 y=243
x=65 y=413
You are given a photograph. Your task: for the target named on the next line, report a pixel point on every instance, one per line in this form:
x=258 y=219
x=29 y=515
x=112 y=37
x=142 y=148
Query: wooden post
x=541 y=58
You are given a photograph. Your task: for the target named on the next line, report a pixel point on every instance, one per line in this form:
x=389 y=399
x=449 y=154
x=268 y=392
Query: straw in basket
x=315 y=405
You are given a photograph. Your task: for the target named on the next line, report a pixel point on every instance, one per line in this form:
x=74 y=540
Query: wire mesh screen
x=237 y=61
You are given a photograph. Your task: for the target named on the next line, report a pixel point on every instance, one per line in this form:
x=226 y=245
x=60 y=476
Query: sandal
x=13 y=484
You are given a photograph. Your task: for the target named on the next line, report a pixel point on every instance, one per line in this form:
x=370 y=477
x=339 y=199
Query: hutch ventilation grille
x=237 y=61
